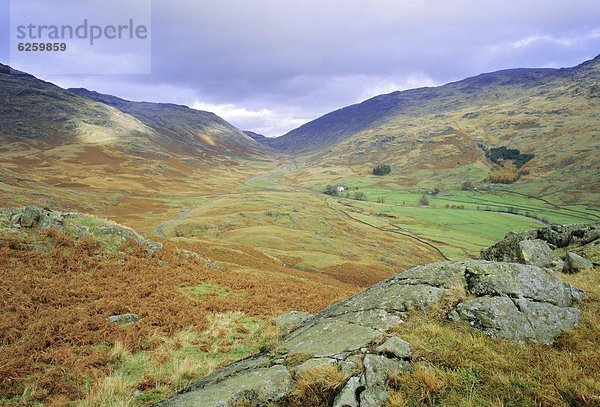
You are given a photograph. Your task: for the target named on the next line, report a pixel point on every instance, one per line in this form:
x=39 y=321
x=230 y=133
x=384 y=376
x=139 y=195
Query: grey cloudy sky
x=271 y=65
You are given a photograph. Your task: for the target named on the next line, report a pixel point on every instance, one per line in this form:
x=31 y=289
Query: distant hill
x=39 y=112
x=444 y=134
x=264 y=140
x=255 y=136
x=181 y=127
x=86 y=151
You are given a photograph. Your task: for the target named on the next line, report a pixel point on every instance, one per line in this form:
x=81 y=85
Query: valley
x=252 y=227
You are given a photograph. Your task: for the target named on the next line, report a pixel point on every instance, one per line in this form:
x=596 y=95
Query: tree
x=436 y=191
x=383 y=169
x=424 y=201
x=331 y=190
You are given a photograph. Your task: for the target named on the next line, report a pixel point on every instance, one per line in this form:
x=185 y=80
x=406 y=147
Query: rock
x=212 y=265
x=575 y=263
x=254 y=387
x=508 y=249
x=517 y=281
x=123 y=318
x=15 y=220
x=51 y=220
x=329 y=338
x=347 y=397
x=536 y=252
x=395 y=347
x=373 y=397
x=351 y=365
x=378 y=368
x=518 y=320
x=30 y=216
x=152 y=247
x=506 y=300
x=291 y=321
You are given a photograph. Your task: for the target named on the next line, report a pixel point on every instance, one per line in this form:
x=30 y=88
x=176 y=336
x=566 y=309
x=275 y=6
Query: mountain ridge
x=384 y=104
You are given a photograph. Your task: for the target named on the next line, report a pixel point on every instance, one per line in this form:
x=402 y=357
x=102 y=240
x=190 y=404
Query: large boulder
x=575 y=263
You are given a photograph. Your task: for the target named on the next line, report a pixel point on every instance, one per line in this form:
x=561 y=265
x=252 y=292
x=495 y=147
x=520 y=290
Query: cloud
x=566 y=41
x=264 y=121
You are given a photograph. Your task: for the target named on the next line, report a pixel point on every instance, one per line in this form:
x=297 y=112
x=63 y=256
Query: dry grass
x=56 y=341
x=317 y=387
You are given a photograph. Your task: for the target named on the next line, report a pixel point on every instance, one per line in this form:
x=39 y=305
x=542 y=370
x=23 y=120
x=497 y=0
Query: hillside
x=39 y=113
x=183 y=128
x=442 y=134
x=66 y=150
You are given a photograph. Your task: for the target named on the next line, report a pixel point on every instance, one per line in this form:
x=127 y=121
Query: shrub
x=424 y=201
x=467 y=186
x=360 y=196
x=382 y=169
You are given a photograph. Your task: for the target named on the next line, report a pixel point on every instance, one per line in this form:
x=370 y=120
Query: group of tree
x=382 y=169
x=499 y=154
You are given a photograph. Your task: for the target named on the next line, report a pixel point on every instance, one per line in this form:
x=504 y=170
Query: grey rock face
x=536 y=252
x=291 y=321
x=258 y=386
x=575 y=263
x=519 y=281
x=517 y=319
x=347 y=397
x=30 y=216
x=123 y=318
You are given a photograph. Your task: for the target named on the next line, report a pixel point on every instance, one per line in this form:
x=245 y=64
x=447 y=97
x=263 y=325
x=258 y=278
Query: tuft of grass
x=317 y=387
x=114 y=390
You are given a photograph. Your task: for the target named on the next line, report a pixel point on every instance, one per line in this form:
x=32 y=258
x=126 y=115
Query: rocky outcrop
x=33 y=217
x=539 y=246
x=504 y=300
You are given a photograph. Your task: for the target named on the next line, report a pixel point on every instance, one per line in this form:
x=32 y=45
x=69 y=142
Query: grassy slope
x=197 y=312
x=434 y=135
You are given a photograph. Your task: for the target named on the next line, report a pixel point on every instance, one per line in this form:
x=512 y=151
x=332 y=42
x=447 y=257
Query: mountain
x=472 y=92
x=446 y=133
x=37 y=112
x=181 y=127
x=86 y=151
